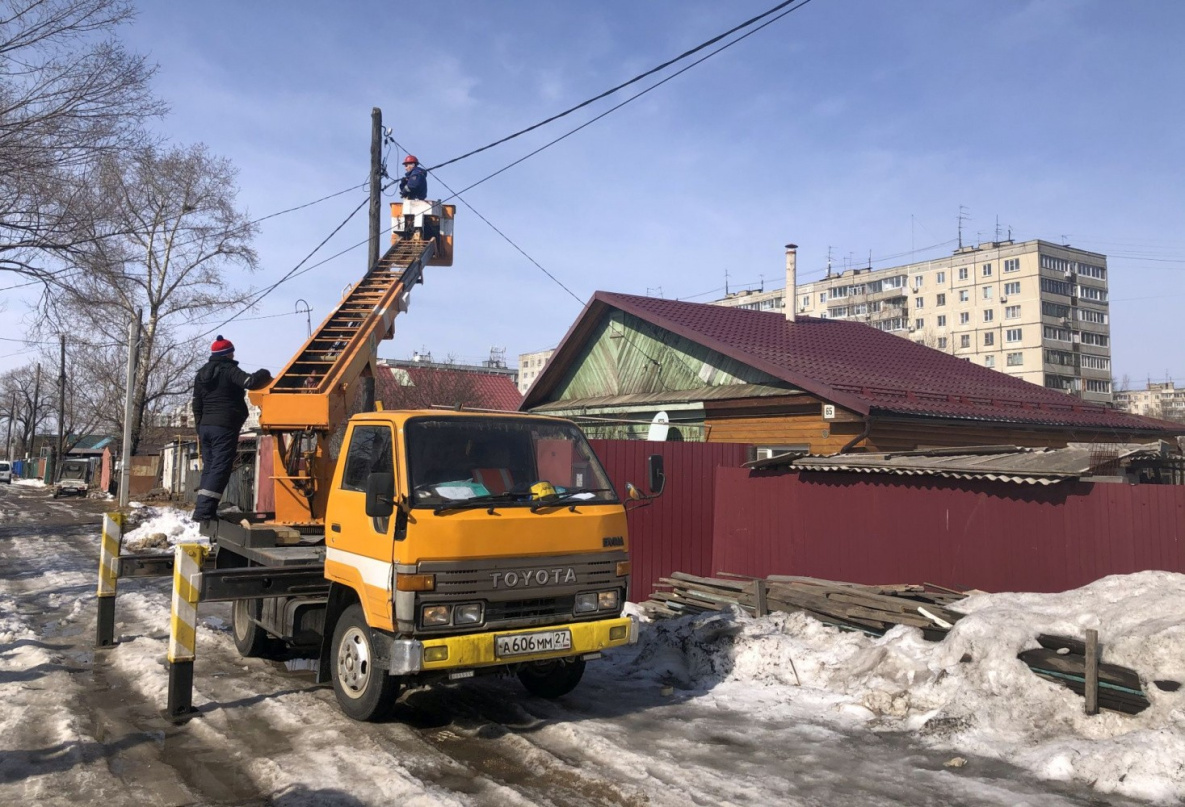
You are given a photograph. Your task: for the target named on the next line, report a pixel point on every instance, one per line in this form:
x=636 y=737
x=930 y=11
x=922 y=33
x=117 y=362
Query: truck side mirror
x=380 y=494
x=658 y=477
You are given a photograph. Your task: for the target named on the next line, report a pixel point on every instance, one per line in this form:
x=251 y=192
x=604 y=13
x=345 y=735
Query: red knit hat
x=222 y=347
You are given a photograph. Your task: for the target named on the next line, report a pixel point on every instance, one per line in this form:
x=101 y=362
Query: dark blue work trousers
x=218 y=446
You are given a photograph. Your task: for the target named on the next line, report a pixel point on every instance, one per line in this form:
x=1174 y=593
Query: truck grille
x=523 y=591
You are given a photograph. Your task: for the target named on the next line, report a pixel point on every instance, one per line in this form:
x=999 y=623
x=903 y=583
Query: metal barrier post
x=187 y=588
x=108 y=576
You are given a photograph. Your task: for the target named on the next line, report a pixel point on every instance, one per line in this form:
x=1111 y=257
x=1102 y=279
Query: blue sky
x=853 y=125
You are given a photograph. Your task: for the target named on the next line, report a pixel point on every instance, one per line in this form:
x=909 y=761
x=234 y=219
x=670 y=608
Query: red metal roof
x=469 y=387
x=856 y=366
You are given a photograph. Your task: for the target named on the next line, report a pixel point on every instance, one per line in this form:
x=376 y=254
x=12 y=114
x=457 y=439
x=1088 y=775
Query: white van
x=5 y=472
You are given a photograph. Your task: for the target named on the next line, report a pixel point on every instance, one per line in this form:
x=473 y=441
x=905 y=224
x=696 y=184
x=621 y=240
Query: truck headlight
x=586 y=602
x=435 y=615
x=467 y=614
x=607 y=600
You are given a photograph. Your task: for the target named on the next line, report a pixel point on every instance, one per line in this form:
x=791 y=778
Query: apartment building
x=529 y=367
x=1035 y=310
x=1161 y=399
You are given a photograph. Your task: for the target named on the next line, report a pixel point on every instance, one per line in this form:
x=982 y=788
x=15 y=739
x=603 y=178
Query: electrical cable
x=629 y=100
x=633 y=80
x=290 y=273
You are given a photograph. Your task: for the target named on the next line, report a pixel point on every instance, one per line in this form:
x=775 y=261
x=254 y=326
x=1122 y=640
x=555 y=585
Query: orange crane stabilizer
x=311 y=398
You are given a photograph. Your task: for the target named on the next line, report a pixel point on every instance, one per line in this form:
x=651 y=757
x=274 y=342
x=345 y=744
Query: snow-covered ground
x=160 y=528
x=711 y=710
x=968 y=694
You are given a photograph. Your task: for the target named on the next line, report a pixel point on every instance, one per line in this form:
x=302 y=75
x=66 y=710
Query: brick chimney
x=791 y=304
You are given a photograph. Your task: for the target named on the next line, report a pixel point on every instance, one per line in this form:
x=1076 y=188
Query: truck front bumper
x=477 y=649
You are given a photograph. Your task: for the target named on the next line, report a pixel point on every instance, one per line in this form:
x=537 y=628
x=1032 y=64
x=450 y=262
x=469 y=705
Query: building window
x=1097 y=317
x=1094 y=385
x=1012 y=312
x=1091 y=293
x=965 y=340
x=989 y=361
x=1012 y=265
x=918 y=324
x=942 y=320
x=987 y=292
x=942 y=343
x=1012 y=288
x=963 y=271
x=964 y=296
x=1015 y=359
x=806 y=300
x=941 y=300
x=1050 y=286
x=1095 y=339
x=918 y=281
x=1013 y=335
x=1056 y=334
x=989 y=338
x=919 y=302
x=941 y=278
x=964 y=317
x=1096 y=362
x=822 y=296
x=989 y=314
x=987 y=270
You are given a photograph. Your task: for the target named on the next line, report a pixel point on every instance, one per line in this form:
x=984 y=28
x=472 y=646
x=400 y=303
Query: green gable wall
x=625 y=355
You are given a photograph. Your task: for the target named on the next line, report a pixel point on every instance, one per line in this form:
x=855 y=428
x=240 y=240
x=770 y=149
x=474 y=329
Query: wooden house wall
x=791 y=420
x=907 y=435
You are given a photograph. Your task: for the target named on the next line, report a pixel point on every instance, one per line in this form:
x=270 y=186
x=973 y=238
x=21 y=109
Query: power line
x=629 y=100
x=633 y=80
x=287 y=275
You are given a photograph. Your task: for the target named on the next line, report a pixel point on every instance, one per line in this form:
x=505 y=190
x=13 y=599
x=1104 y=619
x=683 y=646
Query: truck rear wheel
x=365 y=691
x=552 y=679
x=251 y=640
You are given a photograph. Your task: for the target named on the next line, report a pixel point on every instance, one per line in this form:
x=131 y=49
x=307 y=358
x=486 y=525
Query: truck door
x=358 y=548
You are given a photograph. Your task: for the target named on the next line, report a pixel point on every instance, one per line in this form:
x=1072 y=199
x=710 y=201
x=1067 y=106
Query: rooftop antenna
x=725 y=282
x=1009 y=232
x=762 y=287
x=870 y=259
x=1065 y=240
x=962 y=217
x=997 y=228
x=828 y=261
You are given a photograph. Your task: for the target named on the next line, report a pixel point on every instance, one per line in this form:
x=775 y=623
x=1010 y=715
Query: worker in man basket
x=414 y=184
x=219 y=411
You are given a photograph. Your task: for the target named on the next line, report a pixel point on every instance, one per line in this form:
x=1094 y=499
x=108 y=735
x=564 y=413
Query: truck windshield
x=462 y=458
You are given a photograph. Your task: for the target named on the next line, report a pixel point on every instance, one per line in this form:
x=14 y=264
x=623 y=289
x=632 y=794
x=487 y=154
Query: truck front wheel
x=365 y=691
x=552 y=679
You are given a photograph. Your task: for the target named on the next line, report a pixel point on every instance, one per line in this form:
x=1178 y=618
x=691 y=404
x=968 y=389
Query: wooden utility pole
x=376 y=184
x=125 y=468
x=60 y=448
x=11 y=418
x=33 y=420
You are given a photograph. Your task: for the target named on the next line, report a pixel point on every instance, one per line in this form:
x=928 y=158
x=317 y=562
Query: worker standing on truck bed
x=414 y=184
x=219 y=411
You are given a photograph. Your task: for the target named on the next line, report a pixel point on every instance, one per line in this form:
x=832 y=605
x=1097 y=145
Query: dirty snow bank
x=29 y=483
x=161 y=528
x=968 y=693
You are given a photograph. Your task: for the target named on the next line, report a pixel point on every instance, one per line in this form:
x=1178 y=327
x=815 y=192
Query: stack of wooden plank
x=872 y=609
x=876 y=609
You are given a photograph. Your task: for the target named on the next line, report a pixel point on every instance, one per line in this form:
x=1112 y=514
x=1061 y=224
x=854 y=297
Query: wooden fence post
x=1092 y=672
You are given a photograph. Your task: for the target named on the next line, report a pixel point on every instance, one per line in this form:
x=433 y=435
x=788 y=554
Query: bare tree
x=69 y=94
x=166 y=231
x=22 y=400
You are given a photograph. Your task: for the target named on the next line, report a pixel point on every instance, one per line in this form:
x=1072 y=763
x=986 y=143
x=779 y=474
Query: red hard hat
x=411 y=158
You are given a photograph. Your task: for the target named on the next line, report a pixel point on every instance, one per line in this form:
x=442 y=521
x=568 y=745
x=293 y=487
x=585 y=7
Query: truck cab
x=458 y=544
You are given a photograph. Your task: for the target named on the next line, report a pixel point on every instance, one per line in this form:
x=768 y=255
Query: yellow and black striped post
x=187 y=589
x=108 y=577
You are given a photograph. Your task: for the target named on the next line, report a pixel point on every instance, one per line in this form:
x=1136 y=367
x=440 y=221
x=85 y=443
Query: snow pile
x=29 y=483
x=162 y=528
x=969 y=692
